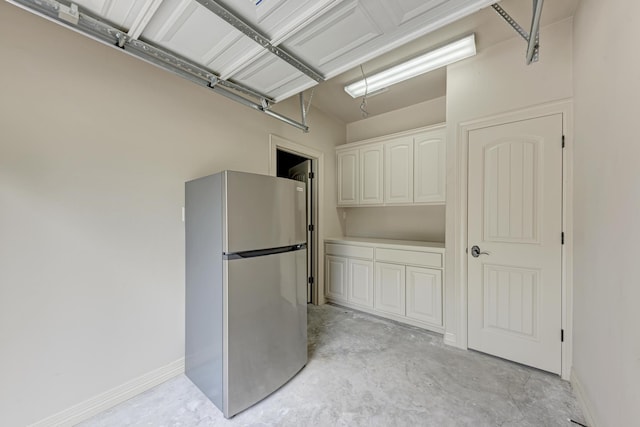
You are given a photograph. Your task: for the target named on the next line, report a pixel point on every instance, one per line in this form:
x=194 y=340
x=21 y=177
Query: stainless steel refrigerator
x=246 y=274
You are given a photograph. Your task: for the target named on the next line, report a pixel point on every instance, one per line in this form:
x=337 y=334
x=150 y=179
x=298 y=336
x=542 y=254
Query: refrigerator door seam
x=263 y=252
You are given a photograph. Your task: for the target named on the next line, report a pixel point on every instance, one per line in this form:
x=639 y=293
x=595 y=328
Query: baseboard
x=113 y=397
x=583 y=400
x=450 y=339
x=400 y=319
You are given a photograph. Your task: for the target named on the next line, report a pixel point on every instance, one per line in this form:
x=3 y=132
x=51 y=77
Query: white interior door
x=302 y=172
x=515 y=221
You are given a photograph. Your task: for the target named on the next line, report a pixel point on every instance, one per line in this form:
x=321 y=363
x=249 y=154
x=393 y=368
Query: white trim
x=450 y=338
x=583 y=401
x=457 y=250
x=97 y=404
x=396 y=135
x=279 y=143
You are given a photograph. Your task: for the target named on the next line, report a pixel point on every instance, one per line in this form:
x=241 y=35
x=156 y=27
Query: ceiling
x=327 y=36
x=489 y=28
x=274 y=49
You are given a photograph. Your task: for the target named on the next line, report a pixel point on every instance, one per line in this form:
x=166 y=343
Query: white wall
x=415 y=116
x=408 y=223
x=606 y=357
x=423 y=223
x=495 y=81
x=95 y=147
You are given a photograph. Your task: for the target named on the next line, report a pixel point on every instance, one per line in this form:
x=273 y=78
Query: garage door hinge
x=311 y=227
x=312 y=175
x=562 y=238
x=562 y=141
x=561 y=335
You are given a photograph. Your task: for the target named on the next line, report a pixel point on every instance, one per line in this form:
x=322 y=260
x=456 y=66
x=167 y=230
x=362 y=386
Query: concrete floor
x=366 y=371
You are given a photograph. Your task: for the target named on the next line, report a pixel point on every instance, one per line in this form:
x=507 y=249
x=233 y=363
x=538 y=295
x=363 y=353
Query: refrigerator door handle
x=263 y=252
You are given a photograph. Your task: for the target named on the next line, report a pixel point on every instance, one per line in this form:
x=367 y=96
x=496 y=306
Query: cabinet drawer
x=427 y=259
x=349 y=251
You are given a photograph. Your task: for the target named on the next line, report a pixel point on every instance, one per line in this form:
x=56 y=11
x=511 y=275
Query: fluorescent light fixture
x=448 y=54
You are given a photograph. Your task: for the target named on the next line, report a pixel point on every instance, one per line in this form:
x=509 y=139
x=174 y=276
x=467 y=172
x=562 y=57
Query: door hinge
x=562 y=141
x=561 y=335
x=311 y=227
x=562 y=238
x=311 y=280
x=312 y=175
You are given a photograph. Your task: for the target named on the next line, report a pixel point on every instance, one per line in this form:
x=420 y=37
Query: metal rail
x=104 y=32
x=533 y=37
x=532 y=49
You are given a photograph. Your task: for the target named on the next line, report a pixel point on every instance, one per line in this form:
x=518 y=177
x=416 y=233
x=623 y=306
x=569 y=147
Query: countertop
x=395 y=244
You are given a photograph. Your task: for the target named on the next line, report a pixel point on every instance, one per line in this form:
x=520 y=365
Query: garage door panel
x=119 y=12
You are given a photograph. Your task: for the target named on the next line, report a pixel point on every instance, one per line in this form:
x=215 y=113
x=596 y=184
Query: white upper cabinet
x=429 y=167
x=371 y=175
x=348 y=177
x=401 y=169
x=398 y=171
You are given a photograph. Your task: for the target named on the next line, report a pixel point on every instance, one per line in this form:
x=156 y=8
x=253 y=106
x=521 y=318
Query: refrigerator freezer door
x=263 y=212
x=267 y=326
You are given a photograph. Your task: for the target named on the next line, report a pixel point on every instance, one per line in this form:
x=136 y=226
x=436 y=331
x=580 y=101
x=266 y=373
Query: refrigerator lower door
x=266 y=331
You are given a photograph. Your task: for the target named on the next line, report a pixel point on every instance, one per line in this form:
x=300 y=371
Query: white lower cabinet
x=336 y=277
x=390 y=288
x=360 y=282
x=348 y=279
x=424 y=294
x=401 y=284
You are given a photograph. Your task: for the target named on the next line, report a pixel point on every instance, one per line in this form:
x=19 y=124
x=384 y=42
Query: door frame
x=564 y=107
x=279 y=143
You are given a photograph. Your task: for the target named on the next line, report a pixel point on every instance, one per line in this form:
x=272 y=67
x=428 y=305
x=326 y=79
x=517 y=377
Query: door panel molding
x=456 y=301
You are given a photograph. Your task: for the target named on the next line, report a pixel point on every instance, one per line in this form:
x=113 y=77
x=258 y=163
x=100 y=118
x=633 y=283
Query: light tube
x=448 y=54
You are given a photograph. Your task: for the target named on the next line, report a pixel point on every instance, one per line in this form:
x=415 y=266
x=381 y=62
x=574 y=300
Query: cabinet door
x=360 y=283
x=424 y=295
x=429 y=167
x=336 y=277
x=390 y=288
x=371 y=175
x=348 y=177
x=398 y=171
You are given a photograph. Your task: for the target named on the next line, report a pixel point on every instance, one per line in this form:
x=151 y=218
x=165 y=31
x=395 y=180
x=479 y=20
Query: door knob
x=475 y=252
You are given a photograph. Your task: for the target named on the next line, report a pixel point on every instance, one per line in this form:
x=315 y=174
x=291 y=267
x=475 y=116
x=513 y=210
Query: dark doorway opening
x=293 y=166
x=286 y=161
